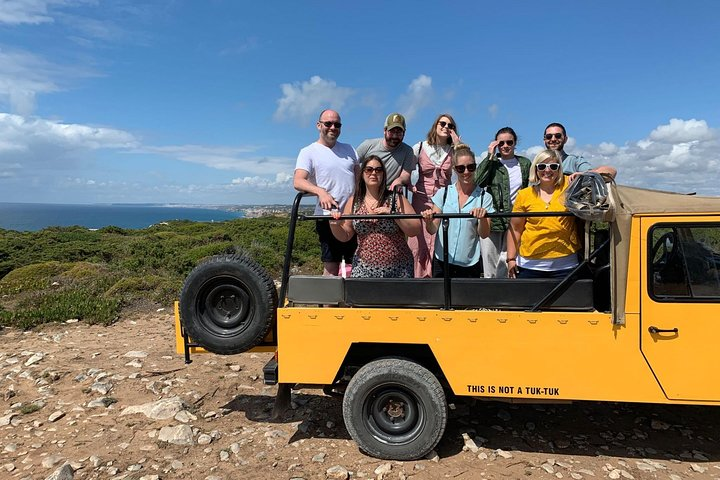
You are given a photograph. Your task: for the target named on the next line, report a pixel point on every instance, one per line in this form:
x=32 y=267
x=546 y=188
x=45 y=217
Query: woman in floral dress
x=382 y=246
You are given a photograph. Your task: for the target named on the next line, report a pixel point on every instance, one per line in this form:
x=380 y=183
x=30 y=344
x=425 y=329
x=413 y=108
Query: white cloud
x=242 y=158
x=419 y=95
x=682 y=131
x=493 y=110
x=33 y=147
x=303 y=100
x=24 y=76
x=282 y=179
x=34 y=12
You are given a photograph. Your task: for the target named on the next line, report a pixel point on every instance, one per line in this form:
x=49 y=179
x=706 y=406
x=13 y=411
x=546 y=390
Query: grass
x=61 y=273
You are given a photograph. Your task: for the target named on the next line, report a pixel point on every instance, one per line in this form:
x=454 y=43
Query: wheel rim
x=224 y=306
x=393 y=414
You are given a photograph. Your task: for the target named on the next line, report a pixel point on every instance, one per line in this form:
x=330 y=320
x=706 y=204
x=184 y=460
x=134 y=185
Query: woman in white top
x=434 y=160
x=502 y=174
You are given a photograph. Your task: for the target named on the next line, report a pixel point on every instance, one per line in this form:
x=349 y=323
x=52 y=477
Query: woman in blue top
x=463 y=233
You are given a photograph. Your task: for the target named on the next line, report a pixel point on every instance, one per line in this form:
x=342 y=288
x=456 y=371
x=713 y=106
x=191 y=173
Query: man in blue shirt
x=555 y=138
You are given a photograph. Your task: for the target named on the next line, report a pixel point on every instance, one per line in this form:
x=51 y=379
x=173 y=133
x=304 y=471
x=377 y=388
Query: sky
x=209 y=102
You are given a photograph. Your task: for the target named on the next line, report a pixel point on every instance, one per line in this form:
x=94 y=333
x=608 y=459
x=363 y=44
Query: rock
x=654 y=464
x=585 y=471
x=7 y=419
x=319 y=458
x=644 y=467
x=659 y=425
x=697 y=468
x=337 y=472
x=383 y=469
x=161 y=410
x=134 y=363
x=503 y=453
x=235 y=368
x=614 y=474
x=102 y=402
x=9 y=467
x=469 y=443
x=575 y=476
x=136 y=354
x=34 y=358
x=103 y=388
x=224 y=456
x=184 y=416
x=52 y=460
x=697 y=455
x=65 y=472
x=134 y=468
x=176 y=465
x=55 y=416
x=504 y=415
x=432 y=456
x=204 y=439
x=95 y=461
x=548 y=468
x=482 y=456
x=178 y=435
x=150 y=477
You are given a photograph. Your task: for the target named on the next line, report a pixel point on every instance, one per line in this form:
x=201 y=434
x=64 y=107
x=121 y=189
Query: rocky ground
x=80 y=401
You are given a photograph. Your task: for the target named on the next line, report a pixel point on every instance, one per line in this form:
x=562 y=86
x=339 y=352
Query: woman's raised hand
x=491 y=148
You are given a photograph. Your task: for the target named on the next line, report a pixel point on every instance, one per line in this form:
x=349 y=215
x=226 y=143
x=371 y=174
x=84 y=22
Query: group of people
x=362 y=181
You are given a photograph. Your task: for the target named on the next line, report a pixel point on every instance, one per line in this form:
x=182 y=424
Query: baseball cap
x=395 y=120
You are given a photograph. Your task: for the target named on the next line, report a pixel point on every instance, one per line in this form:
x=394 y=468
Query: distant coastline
x=37 y=216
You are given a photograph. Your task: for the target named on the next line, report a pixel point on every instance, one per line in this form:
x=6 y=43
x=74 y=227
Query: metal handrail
x=445 y=217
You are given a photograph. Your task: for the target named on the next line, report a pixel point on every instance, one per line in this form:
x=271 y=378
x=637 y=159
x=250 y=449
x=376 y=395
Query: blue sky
x=210 y=101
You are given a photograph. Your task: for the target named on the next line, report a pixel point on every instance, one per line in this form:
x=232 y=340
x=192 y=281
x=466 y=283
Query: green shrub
x=58 y=306
x=31 y=277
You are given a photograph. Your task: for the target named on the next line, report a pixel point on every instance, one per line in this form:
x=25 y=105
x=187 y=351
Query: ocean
x=36 y=216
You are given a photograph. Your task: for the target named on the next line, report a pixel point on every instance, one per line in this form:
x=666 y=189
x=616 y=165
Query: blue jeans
x=528 y=273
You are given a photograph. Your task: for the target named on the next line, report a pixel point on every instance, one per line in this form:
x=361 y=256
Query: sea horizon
x=27 y=216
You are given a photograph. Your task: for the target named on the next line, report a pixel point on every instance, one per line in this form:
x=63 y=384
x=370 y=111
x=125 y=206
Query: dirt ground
x=64 y=390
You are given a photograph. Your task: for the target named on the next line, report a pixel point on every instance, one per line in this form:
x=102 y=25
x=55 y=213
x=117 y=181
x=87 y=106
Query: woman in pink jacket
x=434 y=159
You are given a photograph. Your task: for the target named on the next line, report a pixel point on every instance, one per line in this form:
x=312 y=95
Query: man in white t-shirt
x=328 y=168
x=396 y=156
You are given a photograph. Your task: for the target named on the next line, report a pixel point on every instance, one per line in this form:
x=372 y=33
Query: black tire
x=395 y=409
x=228 y=304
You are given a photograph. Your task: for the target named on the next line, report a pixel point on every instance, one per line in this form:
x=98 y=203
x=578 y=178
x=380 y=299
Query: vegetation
x=61 y=273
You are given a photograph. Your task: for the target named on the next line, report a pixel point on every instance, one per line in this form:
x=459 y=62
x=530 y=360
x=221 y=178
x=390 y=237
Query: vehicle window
x=684 y=262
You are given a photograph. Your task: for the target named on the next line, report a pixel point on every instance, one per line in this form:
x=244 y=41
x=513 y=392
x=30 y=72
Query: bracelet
x=513 y=259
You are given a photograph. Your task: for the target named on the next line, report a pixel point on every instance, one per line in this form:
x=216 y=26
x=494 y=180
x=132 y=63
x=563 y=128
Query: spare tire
x=228 y=304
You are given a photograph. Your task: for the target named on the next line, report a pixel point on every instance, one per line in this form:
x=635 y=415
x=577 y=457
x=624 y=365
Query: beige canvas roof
x=627 y=202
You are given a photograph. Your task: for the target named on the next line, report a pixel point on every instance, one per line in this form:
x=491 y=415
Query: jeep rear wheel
x=395 y=409
x=228 y=304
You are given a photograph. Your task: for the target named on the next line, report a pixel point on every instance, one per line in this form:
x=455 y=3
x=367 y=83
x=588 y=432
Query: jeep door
x=680 y=304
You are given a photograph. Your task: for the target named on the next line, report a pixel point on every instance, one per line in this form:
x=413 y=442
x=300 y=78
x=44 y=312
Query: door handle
x=653 y=330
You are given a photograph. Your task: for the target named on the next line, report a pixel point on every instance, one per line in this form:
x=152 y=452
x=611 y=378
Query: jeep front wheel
x=395 y=409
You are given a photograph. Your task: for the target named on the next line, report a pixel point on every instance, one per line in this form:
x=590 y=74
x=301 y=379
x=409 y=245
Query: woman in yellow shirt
x=542 y=247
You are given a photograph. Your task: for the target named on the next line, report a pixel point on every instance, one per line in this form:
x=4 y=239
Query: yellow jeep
x=636 y=322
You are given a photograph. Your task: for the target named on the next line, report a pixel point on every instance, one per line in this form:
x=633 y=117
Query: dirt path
x=64 y=391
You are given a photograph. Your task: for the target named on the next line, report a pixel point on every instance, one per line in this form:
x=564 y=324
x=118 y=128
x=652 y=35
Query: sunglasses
x=549 y=136
x=375 y=170
x=332 y=124
x=461 y=168
x=444 y=124
x=509 y=143
x=554 y=167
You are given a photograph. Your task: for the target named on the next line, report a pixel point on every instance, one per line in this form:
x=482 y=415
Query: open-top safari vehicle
x=637 y=321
